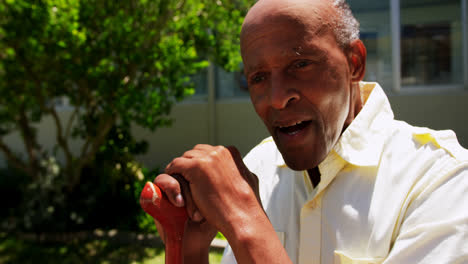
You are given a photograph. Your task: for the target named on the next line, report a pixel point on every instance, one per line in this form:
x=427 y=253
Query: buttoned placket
x=310 y=244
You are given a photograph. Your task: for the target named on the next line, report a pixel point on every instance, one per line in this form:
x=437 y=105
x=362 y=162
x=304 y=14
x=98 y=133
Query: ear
x=357 y=60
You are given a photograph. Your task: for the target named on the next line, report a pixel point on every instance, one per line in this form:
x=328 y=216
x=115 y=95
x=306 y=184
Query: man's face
x=299 y=83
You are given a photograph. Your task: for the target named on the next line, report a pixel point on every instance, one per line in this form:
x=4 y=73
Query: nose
x=282 y=92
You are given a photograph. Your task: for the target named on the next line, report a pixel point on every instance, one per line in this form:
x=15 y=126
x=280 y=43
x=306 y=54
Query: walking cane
x=172 y=219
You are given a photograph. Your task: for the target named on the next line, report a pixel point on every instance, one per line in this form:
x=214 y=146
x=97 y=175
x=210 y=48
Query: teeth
x=291 y=125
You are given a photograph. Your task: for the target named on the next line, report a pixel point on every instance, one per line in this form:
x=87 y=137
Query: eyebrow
x=311 y=50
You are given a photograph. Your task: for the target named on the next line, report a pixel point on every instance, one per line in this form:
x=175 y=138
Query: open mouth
x=294 y=129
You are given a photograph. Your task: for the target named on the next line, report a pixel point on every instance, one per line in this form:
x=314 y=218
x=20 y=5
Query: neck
x=314 y=175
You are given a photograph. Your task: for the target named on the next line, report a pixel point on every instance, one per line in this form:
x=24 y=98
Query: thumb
x=171 y=187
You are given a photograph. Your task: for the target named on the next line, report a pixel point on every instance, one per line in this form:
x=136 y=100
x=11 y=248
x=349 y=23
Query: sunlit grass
x=13 y=250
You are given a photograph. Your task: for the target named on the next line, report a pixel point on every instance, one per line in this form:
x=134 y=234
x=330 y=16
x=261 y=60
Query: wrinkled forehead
x=308 y=16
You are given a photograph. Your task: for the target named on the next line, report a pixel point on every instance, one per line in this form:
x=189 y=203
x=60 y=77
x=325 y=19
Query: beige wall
x=436 y=111
x=189 y=127
x=237 y=124
x=46 y=137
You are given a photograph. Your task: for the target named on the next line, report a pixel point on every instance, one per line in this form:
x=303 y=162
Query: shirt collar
x=362 y=142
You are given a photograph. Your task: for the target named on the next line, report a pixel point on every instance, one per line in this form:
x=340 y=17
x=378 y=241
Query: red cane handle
x=171 y=218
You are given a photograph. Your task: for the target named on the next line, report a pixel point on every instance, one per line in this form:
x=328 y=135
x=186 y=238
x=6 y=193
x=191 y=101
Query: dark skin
x=304 y=86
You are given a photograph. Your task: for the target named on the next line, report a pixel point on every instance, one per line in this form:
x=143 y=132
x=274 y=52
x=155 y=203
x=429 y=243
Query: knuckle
x=174 y=163
x=167 y=183
x=159 y=179
x=218 y=151
x=245 y=193
x=172 y=184
x=220 y=148
x=187 y=153
x=206 y=161
x=197 y=146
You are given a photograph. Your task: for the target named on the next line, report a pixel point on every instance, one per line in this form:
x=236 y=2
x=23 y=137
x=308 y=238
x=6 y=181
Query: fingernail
x=197 y=216
x=179 y=200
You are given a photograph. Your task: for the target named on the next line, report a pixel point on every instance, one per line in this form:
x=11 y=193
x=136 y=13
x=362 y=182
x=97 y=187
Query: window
x=200 y=81
x=431 y=43
x=431 y=49
x=374 y=18
x=230 y=84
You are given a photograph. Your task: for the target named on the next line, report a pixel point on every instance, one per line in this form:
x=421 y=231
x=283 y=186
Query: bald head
x=316 y=16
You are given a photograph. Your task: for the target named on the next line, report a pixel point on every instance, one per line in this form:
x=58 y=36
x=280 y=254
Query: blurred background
x=96 y=97
x=82 y=86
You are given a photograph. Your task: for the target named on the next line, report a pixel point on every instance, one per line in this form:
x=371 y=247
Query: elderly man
x=340 y=180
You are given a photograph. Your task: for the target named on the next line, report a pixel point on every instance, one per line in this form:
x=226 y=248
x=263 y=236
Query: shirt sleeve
x=435 y=226
x=228 y=256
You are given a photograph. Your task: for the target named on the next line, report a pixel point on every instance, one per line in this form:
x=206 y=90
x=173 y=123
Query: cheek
x=259 y=103
x=333 y=104
x=338 y=109
x=338 y=99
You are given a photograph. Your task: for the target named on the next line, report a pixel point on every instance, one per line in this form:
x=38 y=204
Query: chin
x=299 y=164
x=303 y=160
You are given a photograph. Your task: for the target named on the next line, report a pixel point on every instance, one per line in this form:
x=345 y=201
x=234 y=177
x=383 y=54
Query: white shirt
x=389 y=193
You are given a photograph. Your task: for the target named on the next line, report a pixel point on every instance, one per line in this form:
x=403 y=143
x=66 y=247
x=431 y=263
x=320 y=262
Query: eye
x=257 y=78
x=301 y=64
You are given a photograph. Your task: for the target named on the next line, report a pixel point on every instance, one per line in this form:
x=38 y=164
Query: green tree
x=118 y=62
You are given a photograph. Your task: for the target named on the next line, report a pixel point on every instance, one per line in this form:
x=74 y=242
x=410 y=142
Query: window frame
x=395 y=29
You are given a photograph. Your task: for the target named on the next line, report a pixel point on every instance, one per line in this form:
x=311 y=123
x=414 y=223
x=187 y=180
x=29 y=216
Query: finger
x=237 y=157
x=203 y=147
x=182 y=166
x=171 y=187
x=234 y=153
x=177 y=162
x=192 y=209
x=193 y=153
x=251 y=178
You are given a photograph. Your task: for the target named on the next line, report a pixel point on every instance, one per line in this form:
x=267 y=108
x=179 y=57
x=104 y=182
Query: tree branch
x=70 y=122
x=105 y=124
x=104 y=128
x=13 y=160
x=84 y=149
x=29 y=140
x=59 y=135
x=62 y=142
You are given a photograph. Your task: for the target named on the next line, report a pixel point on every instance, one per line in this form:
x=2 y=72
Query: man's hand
x=223 y=190
x=224 y=193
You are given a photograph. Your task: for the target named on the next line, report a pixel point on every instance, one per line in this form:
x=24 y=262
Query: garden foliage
x=118 y=64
